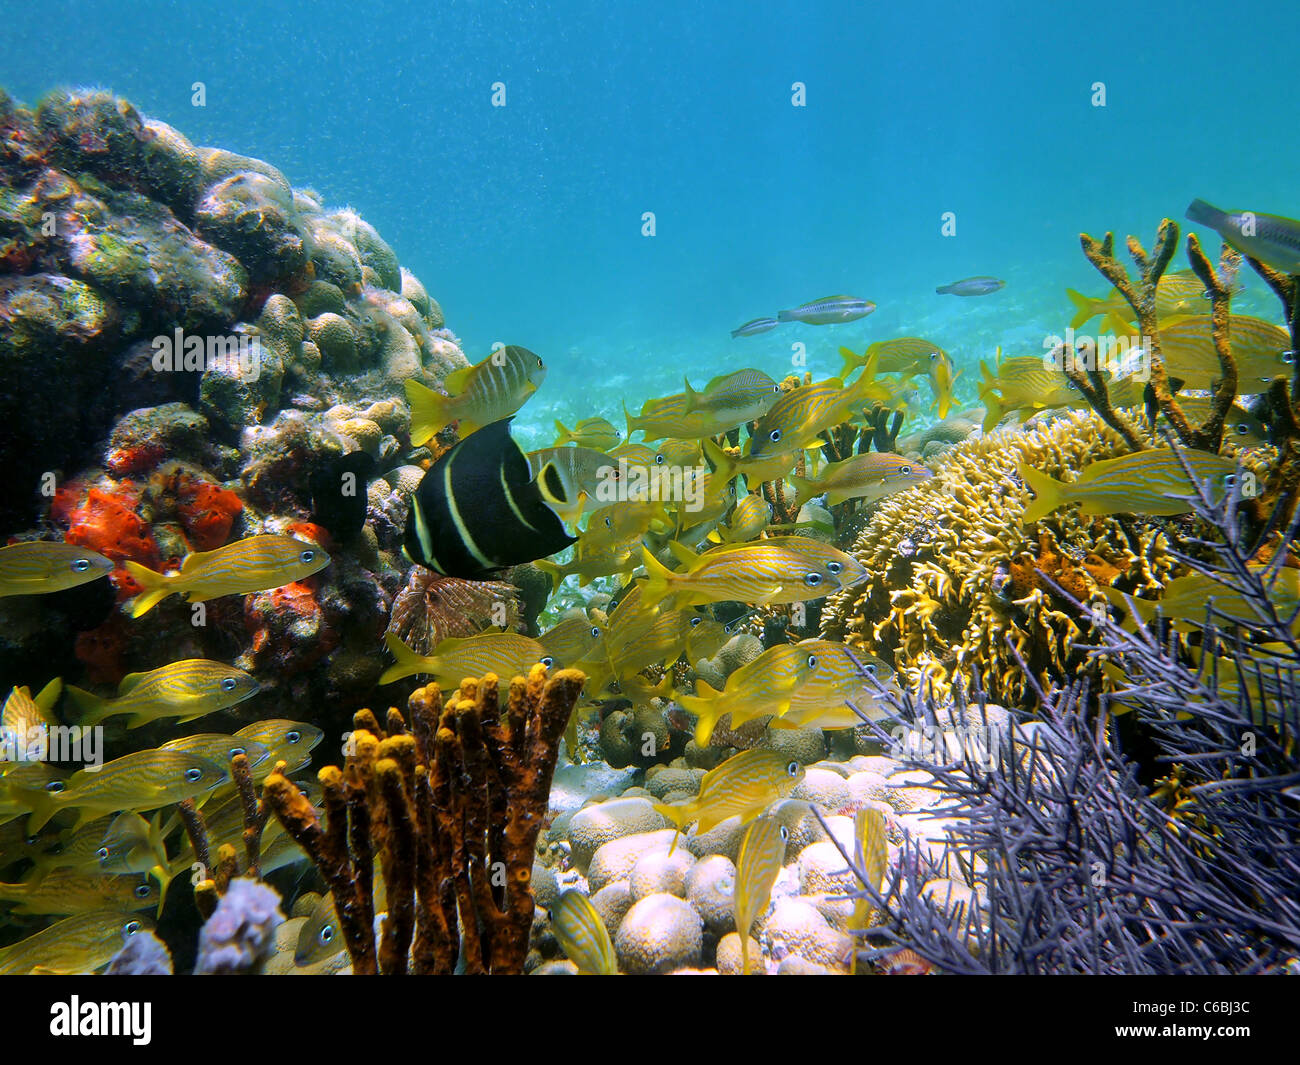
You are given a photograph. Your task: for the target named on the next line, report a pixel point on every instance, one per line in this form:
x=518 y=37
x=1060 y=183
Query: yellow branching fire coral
x=954 y=572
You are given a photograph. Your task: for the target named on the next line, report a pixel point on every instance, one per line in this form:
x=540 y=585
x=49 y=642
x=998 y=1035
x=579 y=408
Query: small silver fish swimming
x=829 y=310
x=754 y=327
x=971 y=286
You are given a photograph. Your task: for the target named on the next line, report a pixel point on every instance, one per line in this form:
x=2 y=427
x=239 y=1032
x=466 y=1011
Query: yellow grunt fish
x=758 y=864
x=22 y=712
x=79 y=944
x=1188 y=600
x=1261 y=350
x=750 y=516
x=507 y=654
x=570 y=640
x=1181 y=293
x=63 y=891
x=740 y=397
x=782 y=569
x=38 y=567
x=872 y=476
x=618 y=523
x=756 y=471
x=1139 y=483
x=668 y=417
x=871 y=855
x=605 y=562
x=219 y=748
x=582 y=934
x=145 y=780
x=286 y=741
x=477 y=395
x=595 y=433
x=185 y=690
x=254 y=564
x=743 y=786
x=842 y=676
x=799 y=415
x=764 y=686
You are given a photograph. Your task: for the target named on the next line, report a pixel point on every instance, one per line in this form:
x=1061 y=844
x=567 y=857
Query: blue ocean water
x=526 y=220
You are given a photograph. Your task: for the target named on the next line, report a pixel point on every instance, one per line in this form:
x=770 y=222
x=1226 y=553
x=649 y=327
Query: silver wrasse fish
x=829 y=310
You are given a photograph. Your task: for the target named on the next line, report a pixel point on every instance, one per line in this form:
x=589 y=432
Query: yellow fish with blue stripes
x=39 y=567
x=254 y=564
x=582 y=935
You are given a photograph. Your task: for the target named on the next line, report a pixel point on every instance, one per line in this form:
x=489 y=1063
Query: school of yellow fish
x=688 y=526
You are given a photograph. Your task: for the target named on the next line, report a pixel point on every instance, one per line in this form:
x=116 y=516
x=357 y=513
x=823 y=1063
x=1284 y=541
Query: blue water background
x=525 y=221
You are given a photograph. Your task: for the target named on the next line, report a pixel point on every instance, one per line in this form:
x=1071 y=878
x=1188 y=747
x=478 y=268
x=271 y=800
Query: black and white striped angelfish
x=479 y=509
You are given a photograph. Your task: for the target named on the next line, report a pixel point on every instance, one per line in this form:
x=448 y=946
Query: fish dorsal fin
x=194 y=560
x=128 y=682
x=456 y=381
x=49 y=695
x=683 y=554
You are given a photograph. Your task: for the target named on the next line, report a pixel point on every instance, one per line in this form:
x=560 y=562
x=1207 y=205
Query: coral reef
x=223 y=339
x=953 y=571
x=452 y=808
x=1118 y=870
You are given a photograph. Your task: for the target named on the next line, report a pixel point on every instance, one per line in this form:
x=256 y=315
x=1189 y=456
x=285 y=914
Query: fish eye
x=307 y=556
x=785 y=834
x=812 y=579
x=933 y=355
x=834 y=567
x=1230 y=480
x=905 y=469
x=595 y=631
x=293 y=736
x=609 y=523
x=869 y=668
x=193 y=774
x=1288 y=356
x=548 y=661
x=774 y=435
x=1242 y=428
x=130 y=928
x=695 y=621
x=54 y=786
x=80 y=565
x=102 y=854
x=229 y=684
x=660 y=460
x=237 y=750
x=327 y=933
x=539 y=362
x=812 y=661
x=792 y=768
x=776 y=389
x=142 y=891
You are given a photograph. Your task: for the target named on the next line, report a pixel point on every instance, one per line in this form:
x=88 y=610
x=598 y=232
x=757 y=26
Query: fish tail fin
x=706 y=706
x=1204 y=213
x=48 y=697
x=155 y=588
x=723 y=464
x=1045 y=488
x=659 y=579
x=562 y=435
x=91 y=708
x=551 y=570
x=692 y=397
x=993 y=411
x=804 y=490
x=679 y=815
x=632 y=425
x=429 y=412
x=851 y=362
x=1085 y=307
x=408 y=663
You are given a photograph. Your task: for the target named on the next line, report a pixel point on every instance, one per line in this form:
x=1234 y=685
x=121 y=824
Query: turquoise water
x=525 y=221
